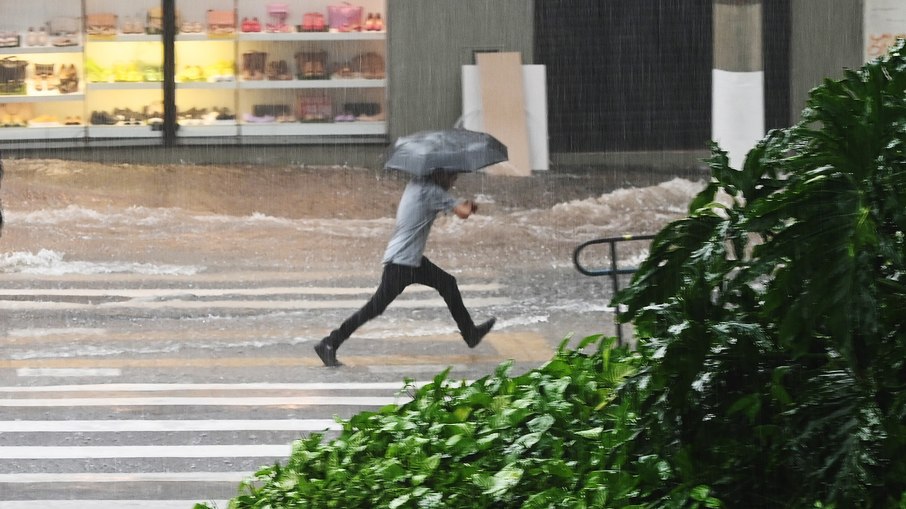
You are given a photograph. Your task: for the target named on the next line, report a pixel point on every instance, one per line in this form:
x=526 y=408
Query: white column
x=737 y=103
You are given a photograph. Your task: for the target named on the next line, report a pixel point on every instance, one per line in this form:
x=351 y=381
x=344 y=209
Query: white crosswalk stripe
x=81 y=298
x=85 y=421
x=104 y=504
x=31 y=468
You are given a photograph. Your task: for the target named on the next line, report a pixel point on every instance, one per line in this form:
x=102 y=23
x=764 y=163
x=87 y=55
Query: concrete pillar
x=737 y=104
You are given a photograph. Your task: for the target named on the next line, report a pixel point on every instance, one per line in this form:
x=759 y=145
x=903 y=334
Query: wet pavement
x=157 y=323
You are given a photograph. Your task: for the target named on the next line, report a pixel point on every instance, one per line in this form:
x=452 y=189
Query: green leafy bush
x=773 y=326
x=540 y=439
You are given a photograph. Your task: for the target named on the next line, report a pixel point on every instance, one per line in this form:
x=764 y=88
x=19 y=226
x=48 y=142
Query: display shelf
x=41 y=98
x=310 y=36
x=206 y=85
x=314 y=129
x=32 y=50
x=122 y=131
x=196 y=131
x=292 y=84
x=124 y=38
x=62 y=132
x=195 y=50
x=204 y=37
x=125 y=85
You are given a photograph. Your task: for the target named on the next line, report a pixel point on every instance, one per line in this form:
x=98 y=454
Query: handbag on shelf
x=44 y=70
x=272 y=113
x=221 y=21
x=254 y=64
x=313 y=22
x=314 y=108
x=101 y=23
x=278 y=12
x=311 y=65
x=370 y=65
x=12 y=75
x=15 y=115
x=362 y=108
x=10 y=40
x=69 y=79
x=154 y=21
x=345 y=17
x=277 y=9
x=64 y=25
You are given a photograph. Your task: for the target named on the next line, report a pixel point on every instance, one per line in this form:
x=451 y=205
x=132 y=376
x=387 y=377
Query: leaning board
x=503 y=104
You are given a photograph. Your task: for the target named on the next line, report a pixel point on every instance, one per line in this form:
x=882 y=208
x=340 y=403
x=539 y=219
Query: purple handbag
x=345 y=17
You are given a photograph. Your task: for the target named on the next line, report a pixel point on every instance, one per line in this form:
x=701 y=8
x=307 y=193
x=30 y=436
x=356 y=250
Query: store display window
x=94 y=69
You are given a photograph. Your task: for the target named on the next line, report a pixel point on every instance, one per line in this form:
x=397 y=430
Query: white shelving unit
x=314 y=129
x=42 y=98
x=44 y=111
x=282 y=94
x=311 y=36
x=40 y=50
x=236 y=95
x=312 y=84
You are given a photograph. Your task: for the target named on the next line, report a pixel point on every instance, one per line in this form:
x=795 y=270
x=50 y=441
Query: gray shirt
x=421 y=201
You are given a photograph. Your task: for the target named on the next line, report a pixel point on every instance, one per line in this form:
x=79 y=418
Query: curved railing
x=613 y=270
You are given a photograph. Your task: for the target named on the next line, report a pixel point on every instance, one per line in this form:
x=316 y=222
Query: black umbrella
x=455 y=150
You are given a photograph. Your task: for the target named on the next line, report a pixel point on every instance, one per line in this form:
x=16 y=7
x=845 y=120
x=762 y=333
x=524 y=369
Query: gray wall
x=826 y=39
x=428 y=42
x=430 y=39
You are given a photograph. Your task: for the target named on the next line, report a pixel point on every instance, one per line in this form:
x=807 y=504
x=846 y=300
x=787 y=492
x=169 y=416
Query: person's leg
x=394 y=279
x=431 y=275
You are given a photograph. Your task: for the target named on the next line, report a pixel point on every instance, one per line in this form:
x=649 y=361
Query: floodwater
x=196 y=229
x=156 y=323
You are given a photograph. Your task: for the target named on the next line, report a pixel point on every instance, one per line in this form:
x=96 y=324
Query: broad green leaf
x=504 y=480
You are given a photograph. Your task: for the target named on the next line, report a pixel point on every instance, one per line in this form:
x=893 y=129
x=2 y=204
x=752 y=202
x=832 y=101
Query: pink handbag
x=345 y=17
x=221 y=21
x=277 y=8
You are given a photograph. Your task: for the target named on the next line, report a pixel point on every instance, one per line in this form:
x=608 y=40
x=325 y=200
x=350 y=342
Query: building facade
x=628 y=81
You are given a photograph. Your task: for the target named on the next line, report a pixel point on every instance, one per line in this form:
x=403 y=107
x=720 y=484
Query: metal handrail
x=614 y=272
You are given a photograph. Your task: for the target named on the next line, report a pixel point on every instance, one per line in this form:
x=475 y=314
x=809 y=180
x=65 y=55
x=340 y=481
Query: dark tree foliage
x=773 y=317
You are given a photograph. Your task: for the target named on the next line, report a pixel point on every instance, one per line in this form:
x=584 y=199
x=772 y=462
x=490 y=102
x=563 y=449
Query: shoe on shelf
x=474 y=337
x=102 y=118
x=327 y=353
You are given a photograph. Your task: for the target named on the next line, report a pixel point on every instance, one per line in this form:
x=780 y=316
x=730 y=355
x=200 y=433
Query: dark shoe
x=473 y=338
x=327 y=353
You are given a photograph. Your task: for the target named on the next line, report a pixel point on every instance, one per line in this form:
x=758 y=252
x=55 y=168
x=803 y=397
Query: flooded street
x=157 y=323
x=143 y=248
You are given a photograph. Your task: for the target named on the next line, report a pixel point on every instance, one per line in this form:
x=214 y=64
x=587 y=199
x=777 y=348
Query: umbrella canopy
x=454 y=150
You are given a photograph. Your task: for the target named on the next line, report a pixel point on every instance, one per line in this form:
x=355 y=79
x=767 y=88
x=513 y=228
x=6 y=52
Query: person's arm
x=465 y=208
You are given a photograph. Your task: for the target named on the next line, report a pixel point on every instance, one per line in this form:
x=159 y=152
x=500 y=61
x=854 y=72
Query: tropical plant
x=540 y=439
x=772 y=317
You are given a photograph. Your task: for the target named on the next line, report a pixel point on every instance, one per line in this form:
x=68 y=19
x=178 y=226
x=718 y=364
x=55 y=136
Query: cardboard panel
x=534 y=81
x=503 y=101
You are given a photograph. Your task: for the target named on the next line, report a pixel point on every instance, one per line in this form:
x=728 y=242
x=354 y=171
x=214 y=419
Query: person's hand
x=464 y=209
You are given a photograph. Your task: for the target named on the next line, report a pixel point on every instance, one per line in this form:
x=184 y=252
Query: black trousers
x=393 y=281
